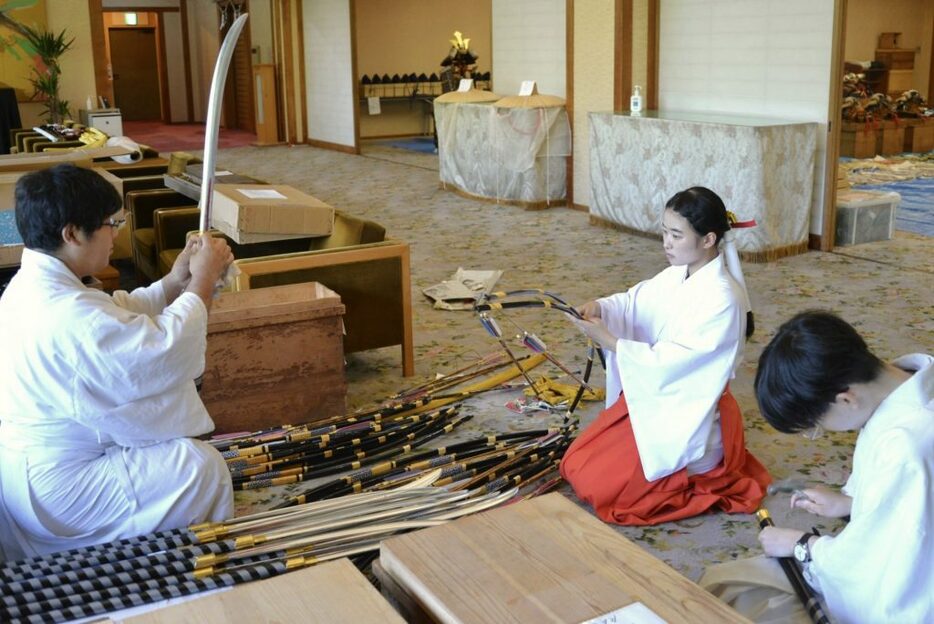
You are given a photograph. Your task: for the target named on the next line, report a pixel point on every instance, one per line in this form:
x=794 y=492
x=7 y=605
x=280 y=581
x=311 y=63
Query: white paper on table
x=635 y=613
x=460 y=292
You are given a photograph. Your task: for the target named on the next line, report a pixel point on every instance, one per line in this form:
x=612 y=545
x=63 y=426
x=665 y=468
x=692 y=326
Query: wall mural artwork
x=17 y=57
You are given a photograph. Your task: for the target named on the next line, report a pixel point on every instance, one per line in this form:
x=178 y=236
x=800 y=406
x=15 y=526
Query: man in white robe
x=98 y=396
x=818 y=373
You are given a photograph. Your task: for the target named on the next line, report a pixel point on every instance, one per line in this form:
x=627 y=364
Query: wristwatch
x=802 y=551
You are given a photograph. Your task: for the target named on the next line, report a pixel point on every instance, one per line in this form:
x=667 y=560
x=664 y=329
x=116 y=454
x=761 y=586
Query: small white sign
x=466 y=84
x=635 y=613
x=261 y=193
x=527 y=88
x=372 y=103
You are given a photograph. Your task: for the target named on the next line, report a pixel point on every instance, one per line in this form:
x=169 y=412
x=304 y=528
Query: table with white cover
x=763 y=169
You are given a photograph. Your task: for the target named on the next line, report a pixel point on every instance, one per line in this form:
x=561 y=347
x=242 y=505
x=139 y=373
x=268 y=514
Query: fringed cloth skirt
x=604 y=468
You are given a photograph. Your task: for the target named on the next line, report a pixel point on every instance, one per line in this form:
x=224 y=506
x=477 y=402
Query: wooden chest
x=919 y=135
x=857 y=140
x=891 y=138
x=894 y=58
x=274 y=356
x=540 y=560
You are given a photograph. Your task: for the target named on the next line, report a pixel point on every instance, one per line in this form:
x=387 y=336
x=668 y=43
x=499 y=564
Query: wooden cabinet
x=899 y=65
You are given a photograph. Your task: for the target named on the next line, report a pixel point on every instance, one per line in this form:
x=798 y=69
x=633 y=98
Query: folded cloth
x=136 y=152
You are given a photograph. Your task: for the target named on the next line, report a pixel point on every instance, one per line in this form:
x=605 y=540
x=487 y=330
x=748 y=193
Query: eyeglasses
x=813 y=433
x=115 y=223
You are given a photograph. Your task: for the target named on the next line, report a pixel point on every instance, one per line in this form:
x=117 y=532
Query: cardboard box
x=865 y=216
x=250 y=213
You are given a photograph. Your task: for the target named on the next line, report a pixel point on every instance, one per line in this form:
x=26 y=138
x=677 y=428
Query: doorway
x=238 y=90
x=135 y=73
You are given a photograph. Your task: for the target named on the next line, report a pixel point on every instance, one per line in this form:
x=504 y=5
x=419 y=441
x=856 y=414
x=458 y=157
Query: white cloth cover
x=681 y=341
x=98 y=403
x=516 y=154
x=638 y=163
x=879 y=567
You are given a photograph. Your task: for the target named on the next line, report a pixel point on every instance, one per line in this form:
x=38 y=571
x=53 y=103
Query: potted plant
x=48 y=48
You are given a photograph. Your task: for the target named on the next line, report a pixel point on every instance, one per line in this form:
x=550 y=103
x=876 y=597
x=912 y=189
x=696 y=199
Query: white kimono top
x=680 y=342
x=880 y=567
x=97 y=399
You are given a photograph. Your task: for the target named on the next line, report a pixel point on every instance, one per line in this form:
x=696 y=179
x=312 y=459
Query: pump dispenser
x=635 y=101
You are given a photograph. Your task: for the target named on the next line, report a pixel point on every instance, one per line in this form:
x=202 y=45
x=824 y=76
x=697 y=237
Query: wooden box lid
x=329 y=592
x=276 y=304
x=540 y=560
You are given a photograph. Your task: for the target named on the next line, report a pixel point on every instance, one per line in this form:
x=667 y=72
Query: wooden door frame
x=825 y=241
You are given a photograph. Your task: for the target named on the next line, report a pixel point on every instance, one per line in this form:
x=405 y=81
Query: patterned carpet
x=883 y=288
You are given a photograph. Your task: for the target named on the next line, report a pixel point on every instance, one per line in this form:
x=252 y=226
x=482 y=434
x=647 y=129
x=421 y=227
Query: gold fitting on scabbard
x=762 y=514
x=248 y=541
x=205 y=561
x=294 y=563
x=194 y=528
x=203 y=572
x=206 y=535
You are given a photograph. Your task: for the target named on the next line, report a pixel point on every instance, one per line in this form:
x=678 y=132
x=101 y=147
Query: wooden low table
x=541 y=560
x=274 y=356
x=330 y=592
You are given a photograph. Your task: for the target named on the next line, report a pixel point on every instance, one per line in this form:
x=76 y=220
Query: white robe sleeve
x=135 y=377
x=872 y=571
x=145 y=300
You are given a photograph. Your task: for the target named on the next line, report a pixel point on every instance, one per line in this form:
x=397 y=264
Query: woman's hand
x=590 y=310
x=778 y=542
x=822 y=501
x=597 y=331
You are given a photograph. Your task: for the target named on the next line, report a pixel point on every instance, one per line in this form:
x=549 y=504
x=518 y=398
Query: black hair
x=705 y=212
x=703 y=209
x=49 y=199
x=811 y=359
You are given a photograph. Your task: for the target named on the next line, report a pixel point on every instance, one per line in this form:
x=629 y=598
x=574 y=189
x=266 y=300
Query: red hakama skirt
x=604 y=468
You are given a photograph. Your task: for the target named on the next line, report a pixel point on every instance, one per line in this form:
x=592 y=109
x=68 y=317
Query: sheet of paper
x=466 y=84
x=261 y=193
x=635 y=613
x=527 y=88
x=372 y=103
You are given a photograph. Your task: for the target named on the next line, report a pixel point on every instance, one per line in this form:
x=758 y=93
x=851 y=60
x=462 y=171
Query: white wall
x=529 y=44
x=768 y=58
x=77 y=80
x=594 y=31
x=329 y=77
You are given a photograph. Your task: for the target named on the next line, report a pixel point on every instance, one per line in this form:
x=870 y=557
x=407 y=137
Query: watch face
x=801 y=553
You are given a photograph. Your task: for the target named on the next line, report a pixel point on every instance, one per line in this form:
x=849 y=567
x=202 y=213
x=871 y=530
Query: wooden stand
x=274 y=356
x=540 y=560
x=267 y=115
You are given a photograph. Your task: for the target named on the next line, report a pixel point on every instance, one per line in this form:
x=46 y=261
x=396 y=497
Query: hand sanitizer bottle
x=635 y=101
x=89 y=105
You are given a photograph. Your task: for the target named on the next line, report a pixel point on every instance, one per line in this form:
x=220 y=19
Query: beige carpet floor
x=884 y=289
